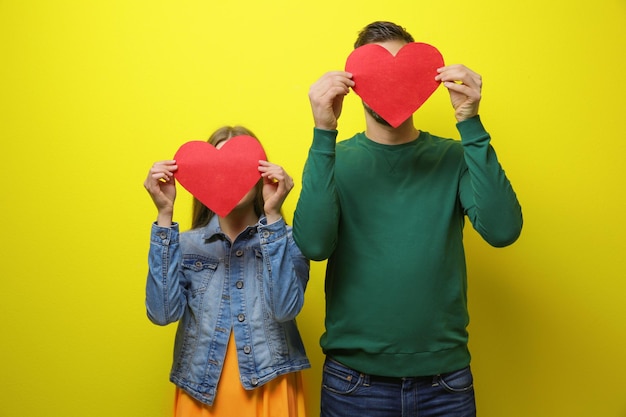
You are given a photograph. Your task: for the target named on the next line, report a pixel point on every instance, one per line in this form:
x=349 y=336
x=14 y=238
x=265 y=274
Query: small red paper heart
x=219 y=178
x=395 y=86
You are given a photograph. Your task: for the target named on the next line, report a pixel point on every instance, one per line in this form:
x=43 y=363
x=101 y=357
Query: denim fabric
x=253 y=286
x=349 y=393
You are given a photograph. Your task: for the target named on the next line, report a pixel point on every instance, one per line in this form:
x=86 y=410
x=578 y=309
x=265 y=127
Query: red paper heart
x=219 y=178
x=395 y=86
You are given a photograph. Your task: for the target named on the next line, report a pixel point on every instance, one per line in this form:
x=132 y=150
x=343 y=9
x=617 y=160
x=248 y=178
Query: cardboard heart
x=395 y=86
x=219 y=178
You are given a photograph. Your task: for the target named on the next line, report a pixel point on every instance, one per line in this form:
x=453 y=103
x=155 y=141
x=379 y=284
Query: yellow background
x=92 y=92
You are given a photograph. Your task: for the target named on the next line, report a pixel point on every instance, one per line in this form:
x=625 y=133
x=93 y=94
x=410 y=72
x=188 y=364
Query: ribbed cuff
x=324 y=140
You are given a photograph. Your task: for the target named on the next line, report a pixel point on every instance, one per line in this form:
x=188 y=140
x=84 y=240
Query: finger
x=338 y=81
x=273 y=177
x=467 y=91
x=265 y=165
x=284 y=180
x=267 y=173
x=343 y=77
x=165 y=165
x=268 y=168
x=328 y=94
x=161 y=176
x=167 y=169
x=459 y=74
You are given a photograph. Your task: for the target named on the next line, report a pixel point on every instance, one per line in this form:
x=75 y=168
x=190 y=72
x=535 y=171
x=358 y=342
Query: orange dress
x=281 y=397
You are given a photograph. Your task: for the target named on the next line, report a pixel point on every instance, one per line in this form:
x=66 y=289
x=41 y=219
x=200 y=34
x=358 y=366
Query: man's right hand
x=326 y=97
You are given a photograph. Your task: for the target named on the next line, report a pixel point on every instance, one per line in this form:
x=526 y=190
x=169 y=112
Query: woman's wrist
x=164 y=218
x=273 y=217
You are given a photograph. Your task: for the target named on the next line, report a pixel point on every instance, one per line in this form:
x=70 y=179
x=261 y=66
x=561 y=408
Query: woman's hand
x=161 y=186
x=276 y=186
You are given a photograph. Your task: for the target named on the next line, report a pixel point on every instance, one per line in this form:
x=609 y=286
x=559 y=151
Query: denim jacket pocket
x=199 y=270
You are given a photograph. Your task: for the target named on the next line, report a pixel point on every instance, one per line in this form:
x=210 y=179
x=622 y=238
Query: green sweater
x=389 y=219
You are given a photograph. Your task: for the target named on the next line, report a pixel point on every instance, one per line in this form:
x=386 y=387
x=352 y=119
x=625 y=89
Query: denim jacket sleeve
x=165 y=301
x=286 y=271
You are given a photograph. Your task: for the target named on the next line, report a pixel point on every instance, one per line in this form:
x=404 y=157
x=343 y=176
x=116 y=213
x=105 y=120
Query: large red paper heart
x=395 y=86
x=219 y=178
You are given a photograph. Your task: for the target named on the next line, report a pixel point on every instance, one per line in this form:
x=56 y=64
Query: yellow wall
x=92 y=92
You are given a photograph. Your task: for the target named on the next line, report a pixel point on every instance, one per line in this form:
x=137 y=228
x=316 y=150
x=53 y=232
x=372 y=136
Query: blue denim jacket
x=254 y=286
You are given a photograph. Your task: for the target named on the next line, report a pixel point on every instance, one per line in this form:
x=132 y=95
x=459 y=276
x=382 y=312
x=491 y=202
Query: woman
x=235 y=284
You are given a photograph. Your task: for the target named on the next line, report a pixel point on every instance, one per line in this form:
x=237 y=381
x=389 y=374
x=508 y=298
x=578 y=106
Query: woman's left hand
x=276 y=186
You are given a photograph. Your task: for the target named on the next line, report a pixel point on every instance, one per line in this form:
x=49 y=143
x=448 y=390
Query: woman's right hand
x=161 y=186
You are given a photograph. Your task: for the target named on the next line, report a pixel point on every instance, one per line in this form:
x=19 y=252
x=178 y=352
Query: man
x=387 y=208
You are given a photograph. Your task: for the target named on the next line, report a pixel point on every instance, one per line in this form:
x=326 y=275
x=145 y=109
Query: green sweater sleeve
x=485 y=192
x=316 y=218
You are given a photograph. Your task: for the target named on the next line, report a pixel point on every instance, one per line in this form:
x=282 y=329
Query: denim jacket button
x=266 y=234
x=239 y=252
x=254 y=381
x=241 y=317
x=247 y=349
x=239 y=285
x=163 y=235
x=198 y=264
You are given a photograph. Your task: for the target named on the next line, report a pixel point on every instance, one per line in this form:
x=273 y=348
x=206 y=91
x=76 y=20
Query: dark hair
x=380 y=32
x=201 y=214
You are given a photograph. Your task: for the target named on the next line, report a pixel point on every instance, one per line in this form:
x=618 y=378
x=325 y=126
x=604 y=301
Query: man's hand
x=464 y=86
x=326 y=97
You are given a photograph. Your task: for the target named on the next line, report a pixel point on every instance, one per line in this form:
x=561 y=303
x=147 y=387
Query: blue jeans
x=349 y=393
